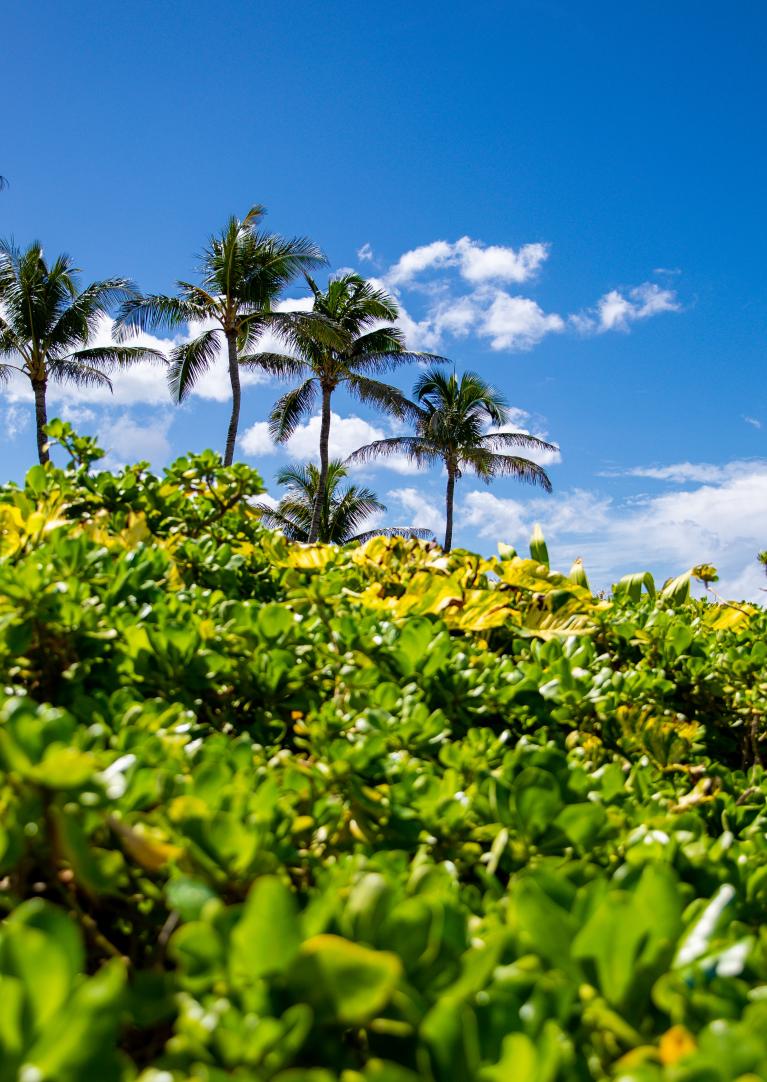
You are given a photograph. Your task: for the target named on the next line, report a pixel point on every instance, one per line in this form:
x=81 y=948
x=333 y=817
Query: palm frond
x=189 y=361
x=418 y=450
x=301 y=332
x=408 y=532
x=468 y=397
x=348 y=509
x=119 y=356
x=156 y=312
x=488 y=465
x=67 y=370
x=289 y=410
x=80 y=319
x=275 y=519
x=35 y=294
x=276 y=364
x=383 y=396
x=496 y=441
x=301 y=478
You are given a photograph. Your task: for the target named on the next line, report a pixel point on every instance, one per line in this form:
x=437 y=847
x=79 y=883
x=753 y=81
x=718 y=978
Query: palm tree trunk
x=234 y=379
x=449 y=497
x=314 y=528
x=41 y=418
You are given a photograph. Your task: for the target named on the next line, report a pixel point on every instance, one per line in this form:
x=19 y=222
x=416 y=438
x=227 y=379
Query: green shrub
x=277 y=812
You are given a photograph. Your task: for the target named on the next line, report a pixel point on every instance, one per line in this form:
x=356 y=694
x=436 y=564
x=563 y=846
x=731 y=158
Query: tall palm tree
x=451 y=416
x=242 y=274
x=46 y=323
x=363 y=316
x=343 y=508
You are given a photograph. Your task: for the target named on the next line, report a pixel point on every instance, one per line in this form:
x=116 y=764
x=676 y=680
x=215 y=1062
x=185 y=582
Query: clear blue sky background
x=627 y=137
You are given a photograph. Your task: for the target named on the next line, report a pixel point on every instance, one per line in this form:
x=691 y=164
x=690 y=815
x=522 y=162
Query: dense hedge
x=275 y=812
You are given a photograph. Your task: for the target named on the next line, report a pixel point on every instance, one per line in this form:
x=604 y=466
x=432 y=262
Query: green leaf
x=631 y=585
x=81 y=1045
x=538 y=548
x=343 y=981
x=274 y=621
x=267 y=936
x=582 y=824
x=537 y=800
x=678 y=589
x=188 y=896
x=39 y=947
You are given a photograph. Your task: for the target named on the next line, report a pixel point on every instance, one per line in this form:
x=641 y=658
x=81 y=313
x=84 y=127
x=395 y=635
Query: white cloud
x=722 y=521
x=753 y=421
x=127 y=440
x=265 y=498
x=511 y=322
x=421 y=335
x=457 y=316
x=417 y=509
x=256 y=441
x=427 y=257
x=347 y=434
x=683 y=472
x=615 y=311
x=517 y=323
x=16 y=418
x=499 y=263
x=475 y=261
x=365 y=253
x=77 y=415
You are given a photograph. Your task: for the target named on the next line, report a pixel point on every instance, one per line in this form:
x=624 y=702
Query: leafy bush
x=277 y=812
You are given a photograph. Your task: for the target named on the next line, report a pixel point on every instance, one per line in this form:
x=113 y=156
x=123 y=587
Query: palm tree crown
x=451 y=416
x=242 y=274
x=344 y=508
x=369 y=344
x=46 y=323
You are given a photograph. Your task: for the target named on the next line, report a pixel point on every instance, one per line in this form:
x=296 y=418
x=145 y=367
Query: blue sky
x=595 y=174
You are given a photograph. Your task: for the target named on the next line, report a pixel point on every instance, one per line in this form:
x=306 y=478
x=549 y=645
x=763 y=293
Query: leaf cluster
x=281 y=812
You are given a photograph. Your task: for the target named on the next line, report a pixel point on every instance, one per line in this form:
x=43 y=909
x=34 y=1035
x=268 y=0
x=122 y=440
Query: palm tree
x=243 y=272
x=46 y=323
x=343 y=508
x=353 y=307
x=451 y=416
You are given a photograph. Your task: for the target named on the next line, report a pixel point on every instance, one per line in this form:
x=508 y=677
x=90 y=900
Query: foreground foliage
x=276 y=812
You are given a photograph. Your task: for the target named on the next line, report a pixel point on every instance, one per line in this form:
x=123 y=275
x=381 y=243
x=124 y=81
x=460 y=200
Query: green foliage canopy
x=283 y=812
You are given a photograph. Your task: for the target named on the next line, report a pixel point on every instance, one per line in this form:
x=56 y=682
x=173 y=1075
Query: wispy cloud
x=684 y=472
x=720 y=521
x=616 y=310
x=15 y=420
